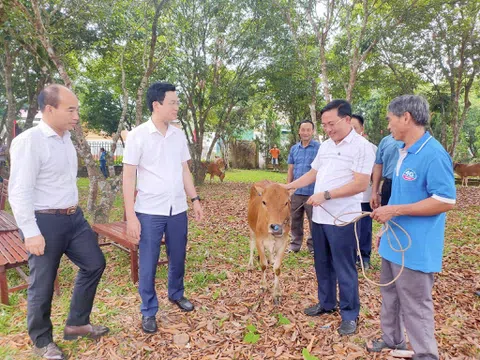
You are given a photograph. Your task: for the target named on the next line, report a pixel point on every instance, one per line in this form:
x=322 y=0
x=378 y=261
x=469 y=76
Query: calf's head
x=276 y=208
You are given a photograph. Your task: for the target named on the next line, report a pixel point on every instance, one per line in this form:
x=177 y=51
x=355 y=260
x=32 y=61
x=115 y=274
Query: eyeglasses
x=331 y=125
x=171 y=103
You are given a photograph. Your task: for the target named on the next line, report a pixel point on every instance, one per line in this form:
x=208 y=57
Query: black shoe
x=317 y=310
x=149 y=324
x=366 y=265
x=183 y=304
x=347 y=327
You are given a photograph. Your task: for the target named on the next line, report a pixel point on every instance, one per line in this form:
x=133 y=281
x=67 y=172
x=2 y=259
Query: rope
x=385 y=229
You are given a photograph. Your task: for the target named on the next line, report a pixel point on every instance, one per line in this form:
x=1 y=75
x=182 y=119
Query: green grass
x=249 y=176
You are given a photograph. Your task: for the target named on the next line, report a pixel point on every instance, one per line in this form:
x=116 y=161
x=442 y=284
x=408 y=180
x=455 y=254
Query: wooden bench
x=116 y=233
x=12 y=249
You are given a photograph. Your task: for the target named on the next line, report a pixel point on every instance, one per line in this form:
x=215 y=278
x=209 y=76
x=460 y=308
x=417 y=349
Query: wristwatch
x=326 y=195
x=195 y=198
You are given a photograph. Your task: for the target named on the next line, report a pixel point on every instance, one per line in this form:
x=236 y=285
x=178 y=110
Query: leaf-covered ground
x=233 y=319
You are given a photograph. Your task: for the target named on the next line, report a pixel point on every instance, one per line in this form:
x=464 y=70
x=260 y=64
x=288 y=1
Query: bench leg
x=3 y=286
x=134 y=265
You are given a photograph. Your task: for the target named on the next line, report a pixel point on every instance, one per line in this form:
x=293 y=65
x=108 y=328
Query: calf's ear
x=259 y=189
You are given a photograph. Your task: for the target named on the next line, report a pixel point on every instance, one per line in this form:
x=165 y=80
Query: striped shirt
x=301 y=158
x=335 y=165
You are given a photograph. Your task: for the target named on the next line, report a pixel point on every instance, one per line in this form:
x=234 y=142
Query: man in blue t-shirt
x=385 y=161
x=423 y=189
x=103 y=162
x=299 y=160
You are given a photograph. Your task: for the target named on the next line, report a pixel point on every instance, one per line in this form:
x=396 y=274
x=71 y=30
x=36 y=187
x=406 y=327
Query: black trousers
x=364 y=231
x=70 y=235
x=386 y=191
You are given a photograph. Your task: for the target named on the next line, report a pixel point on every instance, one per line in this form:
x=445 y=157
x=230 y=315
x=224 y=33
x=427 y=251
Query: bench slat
x=115 y=231
x=11 y=248
x=17 y=245
x=7 y=222
x=5 y=256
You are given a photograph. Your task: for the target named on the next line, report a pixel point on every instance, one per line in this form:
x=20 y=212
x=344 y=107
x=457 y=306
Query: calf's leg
x=263 y=261
x=280 y=247
x=252 y=247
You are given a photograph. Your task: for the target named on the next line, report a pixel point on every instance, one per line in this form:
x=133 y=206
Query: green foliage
x=250 y=64
x=306 y=355
x=251 y=335
x=282 y=320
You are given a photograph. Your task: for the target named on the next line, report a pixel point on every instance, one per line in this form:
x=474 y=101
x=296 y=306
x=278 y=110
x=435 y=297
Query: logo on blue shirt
x=409 y=175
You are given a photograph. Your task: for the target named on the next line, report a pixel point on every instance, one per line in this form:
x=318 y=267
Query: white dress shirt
x=335 y=165
x=43 y=175
x=159 y=160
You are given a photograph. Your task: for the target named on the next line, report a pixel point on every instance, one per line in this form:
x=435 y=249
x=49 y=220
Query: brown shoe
x=90 y=331
x=51 y=351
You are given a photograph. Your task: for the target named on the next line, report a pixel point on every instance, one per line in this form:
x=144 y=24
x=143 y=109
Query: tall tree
x=219 y=44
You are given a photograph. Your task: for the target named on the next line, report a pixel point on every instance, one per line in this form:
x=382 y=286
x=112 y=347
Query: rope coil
x=385 y=229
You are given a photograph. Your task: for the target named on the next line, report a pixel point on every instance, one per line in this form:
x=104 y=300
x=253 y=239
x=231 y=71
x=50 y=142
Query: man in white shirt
x=341 y=172
x=156 y=155
x=43 y=195
x=364 y=227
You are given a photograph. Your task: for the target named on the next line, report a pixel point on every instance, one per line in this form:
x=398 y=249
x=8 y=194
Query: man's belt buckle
x=71 y=210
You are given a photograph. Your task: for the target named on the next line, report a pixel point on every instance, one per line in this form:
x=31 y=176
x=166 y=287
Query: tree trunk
x=198 y=170
x=33 y=103
x=225 y=152
x=121 y=123
x=150 y=64
x=12 y=104
x=459 y=120
x=212 y=146
x=313 y=103
x=81 y=145
x=322 y=35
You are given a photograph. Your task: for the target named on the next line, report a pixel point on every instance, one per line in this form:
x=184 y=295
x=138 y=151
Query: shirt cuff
x=30 y=230
x=444 y=199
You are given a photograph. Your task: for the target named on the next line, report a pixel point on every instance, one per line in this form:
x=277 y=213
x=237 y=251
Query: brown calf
x=269 y=221
x=466 y=170
x=214 y=168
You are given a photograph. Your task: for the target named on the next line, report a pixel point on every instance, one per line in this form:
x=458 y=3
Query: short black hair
x=102 y=149
x=306 y=121
x=343 y=107
x=49 y=96
x=359 y=118
x=156 y=92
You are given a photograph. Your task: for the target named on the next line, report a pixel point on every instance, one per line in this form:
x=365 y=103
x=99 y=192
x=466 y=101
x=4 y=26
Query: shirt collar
x=419 y=145
x=304 y=147
x=49 y=132
x=349 y=137
x=153 y=129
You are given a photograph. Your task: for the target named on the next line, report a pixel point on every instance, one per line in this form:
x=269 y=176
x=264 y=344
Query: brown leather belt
x=69 y=211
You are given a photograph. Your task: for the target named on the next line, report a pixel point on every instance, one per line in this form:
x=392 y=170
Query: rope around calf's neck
x=386 y=227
